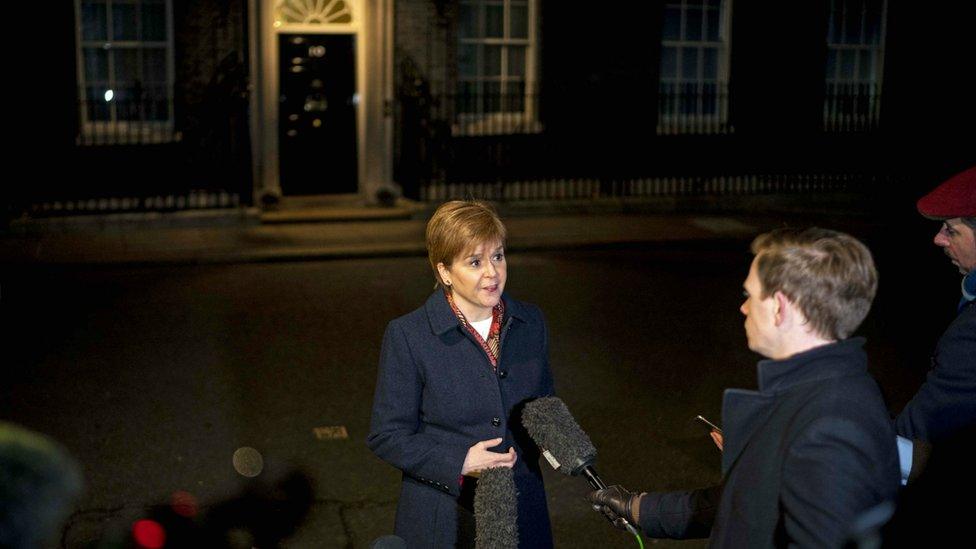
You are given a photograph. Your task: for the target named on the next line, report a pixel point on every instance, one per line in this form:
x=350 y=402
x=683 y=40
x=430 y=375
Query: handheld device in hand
x=711 y=426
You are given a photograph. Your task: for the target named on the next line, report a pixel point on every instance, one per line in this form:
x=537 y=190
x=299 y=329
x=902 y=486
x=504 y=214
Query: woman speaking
x=452 y=375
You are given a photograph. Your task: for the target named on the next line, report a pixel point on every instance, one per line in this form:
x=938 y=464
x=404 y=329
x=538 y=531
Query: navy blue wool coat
x=437 y=395
x=946 y=402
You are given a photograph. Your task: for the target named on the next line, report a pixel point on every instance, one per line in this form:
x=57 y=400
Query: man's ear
x=784 y=308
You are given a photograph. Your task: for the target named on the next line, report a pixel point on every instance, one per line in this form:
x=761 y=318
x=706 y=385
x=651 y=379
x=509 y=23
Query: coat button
x=496 y=421
x=503 y=373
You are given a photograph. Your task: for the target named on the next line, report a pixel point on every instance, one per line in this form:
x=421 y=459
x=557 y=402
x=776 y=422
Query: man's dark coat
x=803 y=457
x=946 y=402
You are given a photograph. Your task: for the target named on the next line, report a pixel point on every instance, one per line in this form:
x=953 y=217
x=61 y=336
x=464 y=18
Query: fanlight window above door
x=312 y=12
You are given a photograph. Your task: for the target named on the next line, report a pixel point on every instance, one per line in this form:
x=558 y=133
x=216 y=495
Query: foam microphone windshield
x=563 y=442
x=496 y=510
x=561 y=439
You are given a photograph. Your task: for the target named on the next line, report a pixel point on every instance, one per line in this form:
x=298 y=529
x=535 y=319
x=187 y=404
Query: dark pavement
x=239 y=242
x=153 y=363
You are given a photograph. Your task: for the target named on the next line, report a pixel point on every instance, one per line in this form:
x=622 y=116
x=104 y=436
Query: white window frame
x=116 y=131
x=684 y=123
x=837 y=45
x=503 y=122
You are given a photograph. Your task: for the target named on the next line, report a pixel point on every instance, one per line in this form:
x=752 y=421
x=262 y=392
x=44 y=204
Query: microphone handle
x=593 y=478
x=597 y=484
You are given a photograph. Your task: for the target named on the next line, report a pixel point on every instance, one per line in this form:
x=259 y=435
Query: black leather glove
x=616 y=503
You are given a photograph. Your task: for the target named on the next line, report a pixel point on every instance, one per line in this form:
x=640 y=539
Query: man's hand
x=718 y=439
x=616 y=503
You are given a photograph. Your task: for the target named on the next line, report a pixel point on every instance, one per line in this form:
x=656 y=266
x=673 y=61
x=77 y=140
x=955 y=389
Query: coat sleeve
x=835 y=470
x=680 y=515
x=946 y=402
x=396 y=435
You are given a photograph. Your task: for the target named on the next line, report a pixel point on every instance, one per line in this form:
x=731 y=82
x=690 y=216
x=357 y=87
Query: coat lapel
x=743 y=412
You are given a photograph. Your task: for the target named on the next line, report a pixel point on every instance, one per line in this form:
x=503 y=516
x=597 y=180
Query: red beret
x=955 y=197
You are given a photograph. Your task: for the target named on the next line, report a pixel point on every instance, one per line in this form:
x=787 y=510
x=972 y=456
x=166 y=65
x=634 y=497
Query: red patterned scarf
x=493 y=345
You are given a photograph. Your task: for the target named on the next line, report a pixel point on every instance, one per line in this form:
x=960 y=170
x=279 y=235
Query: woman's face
x=476 y=279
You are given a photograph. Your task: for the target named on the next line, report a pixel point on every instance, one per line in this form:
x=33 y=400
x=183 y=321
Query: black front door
x=317 y=124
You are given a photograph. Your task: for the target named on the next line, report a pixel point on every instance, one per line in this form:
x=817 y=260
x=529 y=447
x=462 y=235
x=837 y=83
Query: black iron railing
x=192 y=200
x=851 y=107
x=490 y=113
x=110 y=120
x=697 y=108
x=656 y=186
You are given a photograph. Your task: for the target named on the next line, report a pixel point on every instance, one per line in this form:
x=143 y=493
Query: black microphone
x=563 y=442
x=496 y=510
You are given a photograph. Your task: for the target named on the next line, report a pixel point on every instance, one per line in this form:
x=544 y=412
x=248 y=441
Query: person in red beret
x=945 y=405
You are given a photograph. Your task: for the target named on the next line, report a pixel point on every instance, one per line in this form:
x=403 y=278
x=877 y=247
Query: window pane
x=516 y=61
x=836 y=22
x=709 y=99
x=520 y=21
x=515 y=97
x=124 y=23
x=468 y=21
x=98 y=108
x=672 y=24
x=127 y=67
x=693 y=24
x=156 y=108
x=467 y=100
x=96 y=65
x=866 y=66
x=493 y=61
x=714 y=4
x=689 y=64
x=874 y=7
x=831 y=64
x=666 y=98
x=493 y=100
x=688 y=99
x=468 y=60
x=93 y=23
x=710 y=64
x=494 y=21
x=154 y=65
x=847 y=59
x=712 y=23
x=872 y=23
x=669 y=63
x=852 y=22
x=154 y=20
x=128 y=104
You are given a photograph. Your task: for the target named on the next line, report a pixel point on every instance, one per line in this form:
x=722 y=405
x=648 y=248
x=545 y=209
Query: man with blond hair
x=814 y=447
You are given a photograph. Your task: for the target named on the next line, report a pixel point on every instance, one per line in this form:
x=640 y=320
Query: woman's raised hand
x=480 y=457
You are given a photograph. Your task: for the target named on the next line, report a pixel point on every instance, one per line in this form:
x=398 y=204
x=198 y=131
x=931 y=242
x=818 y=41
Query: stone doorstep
x=336 y=208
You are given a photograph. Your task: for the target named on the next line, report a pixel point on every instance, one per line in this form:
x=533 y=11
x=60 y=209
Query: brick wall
x=211 y=70
x=206 y=33
x=423 y=39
